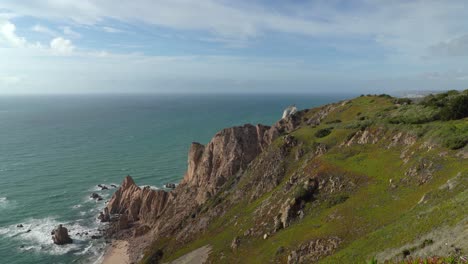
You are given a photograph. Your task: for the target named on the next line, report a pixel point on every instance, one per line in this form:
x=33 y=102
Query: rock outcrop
x=314 y=250
x=229 y=152
x=60 y=236
x=210 y=167
x=137 y=203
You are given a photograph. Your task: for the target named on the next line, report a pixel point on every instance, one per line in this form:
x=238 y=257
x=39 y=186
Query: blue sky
x=178 y=46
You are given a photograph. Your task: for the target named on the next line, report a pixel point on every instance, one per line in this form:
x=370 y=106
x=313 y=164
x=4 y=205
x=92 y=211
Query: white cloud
x=7 y=32
x=407 y=27
x=45 y=30
x=61 y=46
x=70 y=32
x=111 y=30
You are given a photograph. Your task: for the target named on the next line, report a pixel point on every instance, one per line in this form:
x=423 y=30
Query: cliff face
x=209 y=167
x=139 y=204
x=228 y=153
x=342 y=195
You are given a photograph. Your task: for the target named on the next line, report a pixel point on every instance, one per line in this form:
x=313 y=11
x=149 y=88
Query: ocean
x=56 y=149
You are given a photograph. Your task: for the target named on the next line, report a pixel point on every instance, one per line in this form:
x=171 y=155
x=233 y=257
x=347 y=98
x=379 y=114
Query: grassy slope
x=375 y=216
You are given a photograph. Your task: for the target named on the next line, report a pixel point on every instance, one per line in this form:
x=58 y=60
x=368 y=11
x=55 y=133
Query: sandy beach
x=117 y=253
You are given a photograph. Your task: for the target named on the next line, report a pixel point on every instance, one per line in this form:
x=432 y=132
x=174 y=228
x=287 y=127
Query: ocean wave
x=4 y=202
x=35 y=235
x=152 y=187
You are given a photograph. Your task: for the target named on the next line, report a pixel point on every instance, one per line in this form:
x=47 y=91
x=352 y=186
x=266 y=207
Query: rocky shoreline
x=140 y=215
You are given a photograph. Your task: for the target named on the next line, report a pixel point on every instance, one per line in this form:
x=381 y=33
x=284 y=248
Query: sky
x=220 y=46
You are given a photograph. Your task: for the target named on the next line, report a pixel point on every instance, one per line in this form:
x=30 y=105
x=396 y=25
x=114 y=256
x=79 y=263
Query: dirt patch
x=199 y=255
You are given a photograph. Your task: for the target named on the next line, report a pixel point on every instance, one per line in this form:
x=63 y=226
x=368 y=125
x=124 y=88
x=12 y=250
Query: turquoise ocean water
x=54 y=150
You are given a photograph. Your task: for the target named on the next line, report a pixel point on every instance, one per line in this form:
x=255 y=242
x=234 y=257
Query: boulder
x=104 y=216
x=19 y=226
x=60 y=236
x=235 y=243
x=95 y=196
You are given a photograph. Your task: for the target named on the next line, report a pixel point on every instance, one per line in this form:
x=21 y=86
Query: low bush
x=323 y=132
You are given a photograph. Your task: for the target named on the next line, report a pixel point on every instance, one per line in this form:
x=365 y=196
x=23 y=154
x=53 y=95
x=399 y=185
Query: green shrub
x=323 y=132
x=402 y=101
x=302 y=193
x=456 y=142
x=455 y=108
x=337 y=200
x=333 y=121
x=385 y=95
x=372 y=261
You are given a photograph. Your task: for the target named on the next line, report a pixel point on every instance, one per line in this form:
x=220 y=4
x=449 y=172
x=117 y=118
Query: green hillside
x=379 y=179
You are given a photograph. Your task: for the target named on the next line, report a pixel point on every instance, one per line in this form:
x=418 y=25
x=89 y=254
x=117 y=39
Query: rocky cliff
x=326 y=176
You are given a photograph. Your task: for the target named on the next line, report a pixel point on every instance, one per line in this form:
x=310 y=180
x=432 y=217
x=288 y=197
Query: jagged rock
x=103 y=187
x=60 y=236
x=139 y=204
x=290 y=141
x=402 y=139
x=289 y=111
x=113 y=186
x=96 y=196
x=20 y=226
x=230 y=151
x=277 y=223
x=104 y=216
x=235 y=243
x=286 y=212
x=225 y=157
x=422 y=171
x=314 y=250
x=170 y=185
x=293 y=258
x=95 y=237
x=321 y=149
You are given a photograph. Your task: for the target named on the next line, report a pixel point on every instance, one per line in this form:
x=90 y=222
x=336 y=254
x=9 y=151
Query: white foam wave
x=35 y=235
x=4 y=202
x=152 y=187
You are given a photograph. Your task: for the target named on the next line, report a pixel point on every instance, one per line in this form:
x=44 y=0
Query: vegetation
x=379 y=196
x=323 y=132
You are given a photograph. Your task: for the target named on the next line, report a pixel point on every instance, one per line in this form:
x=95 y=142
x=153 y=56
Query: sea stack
x=60 y=236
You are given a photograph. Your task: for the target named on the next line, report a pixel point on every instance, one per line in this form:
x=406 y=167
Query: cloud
x=61 y=46
x=454 y=47
x=405 y=26
x=70 y=32
x=7 y=32
x=111 y=30
x=45 y=30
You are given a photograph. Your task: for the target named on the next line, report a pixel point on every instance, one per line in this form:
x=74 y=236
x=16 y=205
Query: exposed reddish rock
x=145 y=204
x=174 y=213
x=229 y=152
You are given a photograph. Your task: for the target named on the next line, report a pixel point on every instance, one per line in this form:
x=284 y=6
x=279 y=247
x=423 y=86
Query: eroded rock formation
x=60 y=236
